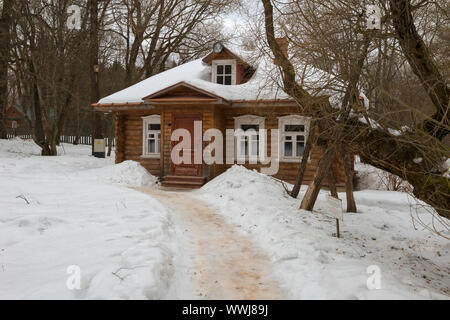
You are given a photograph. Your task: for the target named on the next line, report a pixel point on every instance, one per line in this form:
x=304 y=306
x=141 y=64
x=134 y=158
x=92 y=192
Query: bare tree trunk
x=39 y=135
x=351 y=204
x=301 y=170
x=5 y=22
x=97 y=130
x=423 y=65
x=332 y=182
x=310 y=197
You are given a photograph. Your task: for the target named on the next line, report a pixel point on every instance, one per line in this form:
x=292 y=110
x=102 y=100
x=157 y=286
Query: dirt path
x=224 y=263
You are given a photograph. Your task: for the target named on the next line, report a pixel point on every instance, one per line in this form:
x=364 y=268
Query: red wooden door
x=183 y=121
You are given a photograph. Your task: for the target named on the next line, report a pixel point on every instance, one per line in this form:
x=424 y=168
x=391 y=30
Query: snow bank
x=128 y=173
x=246 y=183
x=371 y=178
x=19 y=147
x=312 y=264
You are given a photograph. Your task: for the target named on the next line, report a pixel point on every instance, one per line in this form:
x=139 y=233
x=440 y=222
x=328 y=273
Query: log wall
x=129 y=138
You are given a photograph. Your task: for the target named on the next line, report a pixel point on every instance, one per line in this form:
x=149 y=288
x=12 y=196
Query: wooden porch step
x=184 y=182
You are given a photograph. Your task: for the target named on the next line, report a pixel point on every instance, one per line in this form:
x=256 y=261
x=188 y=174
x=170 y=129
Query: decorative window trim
x=249 y=120
x=146 y=121
x=231 y=62
x=293 y=119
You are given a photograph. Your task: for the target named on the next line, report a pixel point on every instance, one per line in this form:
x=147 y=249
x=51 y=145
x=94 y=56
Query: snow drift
x=128 y=173
x=19 y=147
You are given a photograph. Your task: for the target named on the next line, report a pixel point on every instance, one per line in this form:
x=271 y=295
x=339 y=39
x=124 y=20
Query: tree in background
x=52 y=66
x=5 y=25
x=149 y=32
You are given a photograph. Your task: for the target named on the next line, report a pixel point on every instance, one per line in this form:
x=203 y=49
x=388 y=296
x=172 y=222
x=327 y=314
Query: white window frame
x=146 y=121
x=293 y=119
x=216 y=63
x=249 y=120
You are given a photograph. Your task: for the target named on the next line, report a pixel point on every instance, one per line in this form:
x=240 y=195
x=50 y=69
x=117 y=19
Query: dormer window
x=224 y=72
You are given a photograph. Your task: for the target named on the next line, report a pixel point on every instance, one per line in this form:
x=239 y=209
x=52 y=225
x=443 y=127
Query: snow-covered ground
x=310 y=263
x=74 y=209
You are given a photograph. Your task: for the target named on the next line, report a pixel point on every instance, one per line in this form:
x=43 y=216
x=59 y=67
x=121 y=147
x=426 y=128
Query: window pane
x=154 y=127
x=244 y=146
x=300 y=149
x=288 y=149
x=228 y=80
x=227 y=69
x=220 y=79
x=294 y=128
x=219 y=69
x=151 y=146
x=246 y=127
x=255 y=147
x=300 y=138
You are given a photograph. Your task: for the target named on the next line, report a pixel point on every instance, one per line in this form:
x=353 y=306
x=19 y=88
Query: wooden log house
x=222 y=91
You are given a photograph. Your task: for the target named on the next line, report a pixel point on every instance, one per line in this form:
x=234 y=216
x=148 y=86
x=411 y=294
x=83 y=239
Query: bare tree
x=46 y=58
x=417 y=153
x=152 y=31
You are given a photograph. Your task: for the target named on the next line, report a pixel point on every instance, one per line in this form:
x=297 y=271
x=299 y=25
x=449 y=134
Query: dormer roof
x=226 y=54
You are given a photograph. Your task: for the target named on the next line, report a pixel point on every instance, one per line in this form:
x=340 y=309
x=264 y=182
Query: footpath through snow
x=223 y=263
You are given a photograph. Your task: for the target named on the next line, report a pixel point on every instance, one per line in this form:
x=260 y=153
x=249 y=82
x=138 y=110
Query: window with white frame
x=151 y=136
x=224 y=72
x=293 y=134
x=248 y=142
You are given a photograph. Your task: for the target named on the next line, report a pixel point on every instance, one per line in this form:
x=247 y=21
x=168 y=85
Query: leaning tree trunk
x=424 y=67
x=306 y=152
x=332 y=182
x=314 y=188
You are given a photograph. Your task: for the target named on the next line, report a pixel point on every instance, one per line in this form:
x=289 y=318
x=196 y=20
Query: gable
x=226 y=54
x=183 y=92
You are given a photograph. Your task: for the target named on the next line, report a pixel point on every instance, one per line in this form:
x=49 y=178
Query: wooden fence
x=84 y=140
x=21 y=136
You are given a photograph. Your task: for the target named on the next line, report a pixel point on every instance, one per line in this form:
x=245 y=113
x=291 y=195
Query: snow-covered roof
x=265 y=83
x=198 y=74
